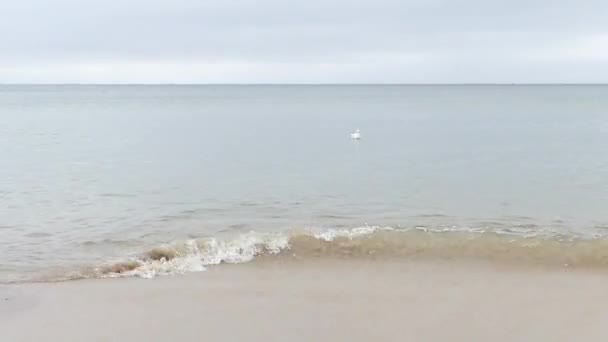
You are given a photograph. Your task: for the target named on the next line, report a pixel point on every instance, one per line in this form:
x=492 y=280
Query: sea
x=149 y=180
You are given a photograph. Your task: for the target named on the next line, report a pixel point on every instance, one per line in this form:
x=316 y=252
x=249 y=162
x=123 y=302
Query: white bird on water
x=356 y=135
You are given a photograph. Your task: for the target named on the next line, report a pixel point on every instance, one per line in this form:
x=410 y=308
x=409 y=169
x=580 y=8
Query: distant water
x=186 y=176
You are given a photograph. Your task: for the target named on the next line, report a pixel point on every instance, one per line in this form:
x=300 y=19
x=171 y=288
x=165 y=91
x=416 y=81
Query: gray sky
x=305 y=41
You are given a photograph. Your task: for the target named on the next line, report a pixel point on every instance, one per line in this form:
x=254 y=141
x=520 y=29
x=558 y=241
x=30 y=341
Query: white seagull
x=356 y=135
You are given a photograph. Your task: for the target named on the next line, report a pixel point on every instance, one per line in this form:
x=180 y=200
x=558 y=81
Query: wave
x=195 y=255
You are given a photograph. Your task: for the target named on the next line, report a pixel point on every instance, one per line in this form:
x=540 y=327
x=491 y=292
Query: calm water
x=90 y=173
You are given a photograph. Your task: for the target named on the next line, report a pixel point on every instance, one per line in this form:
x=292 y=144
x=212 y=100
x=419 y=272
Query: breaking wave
x=196 y=255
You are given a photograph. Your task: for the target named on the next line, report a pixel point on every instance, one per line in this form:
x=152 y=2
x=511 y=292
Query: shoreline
x=369 y=242
x=317 y=300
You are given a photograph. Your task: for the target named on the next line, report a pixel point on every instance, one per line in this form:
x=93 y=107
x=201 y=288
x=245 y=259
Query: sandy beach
x=317 y=300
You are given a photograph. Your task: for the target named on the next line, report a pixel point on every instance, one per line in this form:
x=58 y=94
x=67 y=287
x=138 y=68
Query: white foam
x=188 y=260
x=241 y=249
x=195 y=255
x=332 y=234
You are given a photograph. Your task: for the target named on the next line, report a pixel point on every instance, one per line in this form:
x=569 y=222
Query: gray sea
x=162 y=179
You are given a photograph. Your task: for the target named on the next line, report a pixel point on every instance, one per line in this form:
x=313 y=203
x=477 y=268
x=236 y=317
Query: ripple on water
x=37 y=235
x=117 y=195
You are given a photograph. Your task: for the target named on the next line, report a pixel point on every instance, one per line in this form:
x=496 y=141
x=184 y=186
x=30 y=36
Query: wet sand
x=317 y=300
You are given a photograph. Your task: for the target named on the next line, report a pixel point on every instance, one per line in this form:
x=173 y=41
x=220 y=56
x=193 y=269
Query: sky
x=305 y=41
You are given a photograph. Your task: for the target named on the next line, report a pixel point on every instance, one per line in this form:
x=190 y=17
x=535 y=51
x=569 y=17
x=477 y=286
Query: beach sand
x=320 y=299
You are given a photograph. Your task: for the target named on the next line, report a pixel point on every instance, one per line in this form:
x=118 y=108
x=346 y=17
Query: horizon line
x=301 y=84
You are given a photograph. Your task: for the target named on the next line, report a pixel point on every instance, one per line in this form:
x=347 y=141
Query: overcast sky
x=303 y=41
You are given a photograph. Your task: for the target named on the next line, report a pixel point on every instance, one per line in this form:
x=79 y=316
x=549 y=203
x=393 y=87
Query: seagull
x=356 y=135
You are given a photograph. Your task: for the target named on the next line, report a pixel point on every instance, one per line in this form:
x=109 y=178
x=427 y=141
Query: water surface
x=93 y=173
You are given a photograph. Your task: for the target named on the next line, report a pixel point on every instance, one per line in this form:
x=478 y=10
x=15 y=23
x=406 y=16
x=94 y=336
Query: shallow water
x=94 y=174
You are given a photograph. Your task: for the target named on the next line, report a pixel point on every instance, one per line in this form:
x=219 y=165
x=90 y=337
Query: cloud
x=247 y=41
